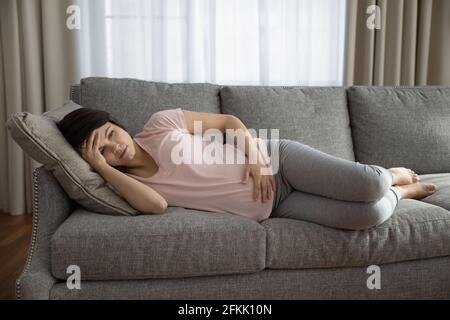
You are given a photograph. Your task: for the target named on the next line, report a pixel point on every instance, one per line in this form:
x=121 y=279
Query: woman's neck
x=141 y=159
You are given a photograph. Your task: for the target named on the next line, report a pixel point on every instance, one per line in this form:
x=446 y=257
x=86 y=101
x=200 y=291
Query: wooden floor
x=15 y=238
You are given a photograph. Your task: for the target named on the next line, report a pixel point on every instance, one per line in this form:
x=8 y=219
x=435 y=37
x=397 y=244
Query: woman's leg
x=337 y=213
x=315 y=172
x=318 y=187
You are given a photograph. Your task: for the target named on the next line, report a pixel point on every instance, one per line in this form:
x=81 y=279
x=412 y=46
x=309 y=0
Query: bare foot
x=403 y=176
x=417 y=190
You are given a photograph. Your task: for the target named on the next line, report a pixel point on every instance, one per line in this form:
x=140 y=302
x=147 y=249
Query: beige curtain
x=411 y=47
x=38 y=62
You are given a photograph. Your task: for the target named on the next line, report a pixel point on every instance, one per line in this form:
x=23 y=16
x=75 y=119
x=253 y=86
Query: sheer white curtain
x=241 y=42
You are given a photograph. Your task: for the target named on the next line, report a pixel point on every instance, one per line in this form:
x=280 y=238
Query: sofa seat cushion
x=416 y=230
x=178 y=243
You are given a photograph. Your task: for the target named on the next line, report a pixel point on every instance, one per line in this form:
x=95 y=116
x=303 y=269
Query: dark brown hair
x=77 y=125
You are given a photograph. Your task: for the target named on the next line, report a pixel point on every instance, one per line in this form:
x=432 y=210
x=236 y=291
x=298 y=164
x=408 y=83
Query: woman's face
x=113 y=141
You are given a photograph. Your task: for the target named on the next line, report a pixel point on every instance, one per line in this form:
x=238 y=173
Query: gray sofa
x=190 y=254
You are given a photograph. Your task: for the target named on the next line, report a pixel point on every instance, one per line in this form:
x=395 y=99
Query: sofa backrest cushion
x=133 y=101
x=401 y=126
x=41 y=139
x=316 y=116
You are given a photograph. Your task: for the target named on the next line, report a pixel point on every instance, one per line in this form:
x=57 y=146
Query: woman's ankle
x=404 y=192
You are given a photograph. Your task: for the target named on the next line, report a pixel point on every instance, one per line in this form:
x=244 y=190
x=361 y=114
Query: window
x=251 y=42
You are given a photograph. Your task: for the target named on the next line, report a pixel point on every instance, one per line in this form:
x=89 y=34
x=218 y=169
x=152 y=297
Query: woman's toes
x=403 y=175
x=431 y=188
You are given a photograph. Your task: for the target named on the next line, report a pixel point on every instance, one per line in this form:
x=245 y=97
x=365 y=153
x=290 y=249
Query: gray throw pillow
x=41 y=139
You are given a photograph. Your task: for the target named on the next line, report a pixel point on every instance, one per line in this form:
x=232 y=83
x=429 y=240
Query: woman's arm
x=264 y=185
x=223 y=122
x=208 y=120
x=138 y=195
x=245 y=141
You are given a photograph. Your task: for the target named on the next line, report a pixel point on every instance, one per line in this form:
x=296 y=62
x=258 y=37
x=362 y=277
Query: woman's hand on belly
x=263 y=184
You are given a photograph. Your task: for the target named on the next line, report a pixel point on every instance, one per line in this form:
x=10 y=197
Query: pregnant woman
x=169 y=164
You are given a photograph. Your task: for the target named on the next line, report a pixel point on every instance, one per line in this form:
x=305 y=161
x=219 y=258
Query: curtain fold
x=410 y=48
x=38 y=62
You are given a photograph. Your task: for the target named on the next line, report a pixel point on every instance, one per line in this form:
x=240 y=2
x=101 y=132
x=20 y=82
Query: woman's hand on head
x=91 y=153
x=263 y=184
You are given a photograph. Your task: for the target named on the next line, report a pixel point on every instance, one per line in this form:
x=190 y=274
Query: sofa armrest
x=51 y=206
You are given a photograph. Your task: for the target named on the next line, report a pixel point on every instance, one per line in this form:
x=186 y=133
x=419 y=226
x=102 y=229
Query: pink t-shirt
x=186 y=179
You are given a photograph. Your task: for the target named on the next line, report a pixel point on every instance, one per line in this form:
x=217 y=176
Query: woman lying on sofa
x=151 y=173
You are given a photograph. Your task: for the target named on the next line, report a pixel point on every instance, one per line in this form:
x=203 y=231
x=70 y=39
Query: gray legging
x=314 y=186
